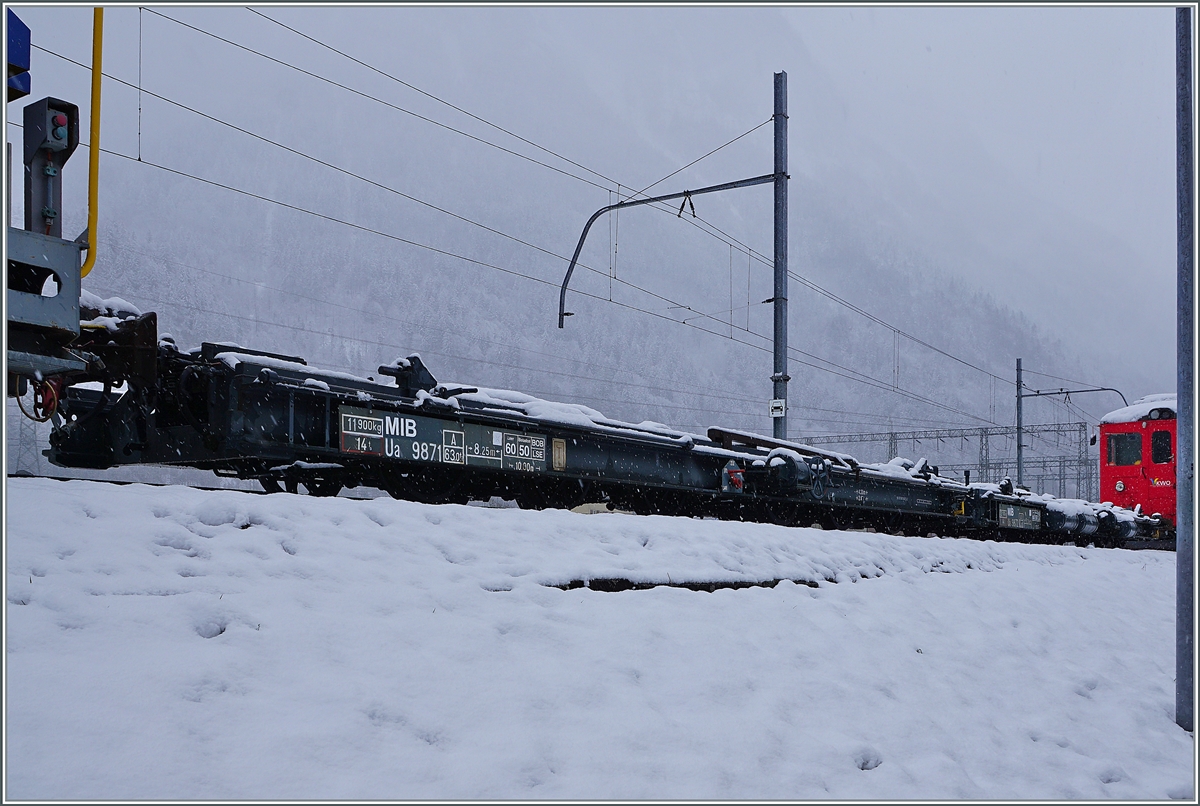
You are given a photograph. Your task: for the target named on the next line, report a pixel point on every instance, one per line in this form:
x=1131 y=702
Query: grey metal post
x=1020 y=455
x=780 y=377
x=1185 y=517
x=1083 y=476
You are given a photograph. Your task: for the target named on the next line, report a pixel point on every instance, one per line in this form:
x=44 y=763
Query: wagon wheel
x=323 y=488
x=532 y=499
x=428 y=489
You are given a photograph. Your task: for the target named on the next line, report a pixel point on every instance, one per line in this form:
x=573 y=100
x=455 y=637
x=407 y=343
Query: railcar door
x=1159 y=469
x=1124 y=454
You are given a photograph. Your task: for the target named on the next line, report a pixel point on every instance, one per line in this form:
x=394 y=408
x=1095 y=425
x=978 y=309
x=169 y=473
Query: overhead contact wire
x=863 y=378
x=517 y=154
x=370 y=97
x=868 y=381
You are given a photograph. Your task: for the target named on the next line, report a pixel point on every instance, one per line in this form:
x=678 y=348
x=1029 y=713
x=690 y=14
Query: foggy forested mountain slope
x=980 y=269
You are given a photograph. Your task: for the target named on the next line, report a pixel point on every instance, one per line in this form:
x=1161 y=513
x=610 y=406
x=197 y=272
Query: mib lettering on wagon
x=420 y=439
x=414 y=438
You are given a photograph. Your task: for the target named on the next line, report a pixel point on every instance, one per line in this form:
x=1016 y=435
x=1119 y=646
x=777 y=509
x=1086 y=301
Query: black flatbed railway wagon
x=256 y=415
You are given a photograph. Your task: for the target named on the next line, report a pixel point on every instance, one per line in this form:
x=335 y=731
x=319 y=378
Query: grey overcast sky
x=1026 y=153
x=1070 y=114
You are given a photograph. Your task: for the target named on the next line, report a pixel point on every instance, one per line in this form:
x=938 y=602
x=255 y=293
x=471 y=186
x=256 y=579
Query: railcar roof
x=1141 y=409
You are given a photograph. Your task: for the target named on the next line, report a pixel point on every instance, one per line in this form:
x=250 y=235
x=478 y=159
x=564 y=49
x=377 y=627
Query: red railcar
x=1137 y=456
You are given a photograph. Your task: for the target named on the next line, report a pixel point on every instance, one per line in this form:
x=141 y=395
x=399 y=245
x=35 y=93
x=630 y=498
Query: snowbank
x=171 y=643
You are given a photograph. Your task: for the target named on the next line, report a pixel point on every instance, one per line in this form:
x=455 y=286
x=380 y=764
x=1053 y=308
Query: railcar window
x=1160 y=447
x=1124 y=449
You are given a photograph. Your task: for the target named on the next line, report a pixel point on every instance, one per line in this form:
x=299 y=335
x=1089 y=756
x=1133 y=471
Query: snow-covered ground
x=172 y=643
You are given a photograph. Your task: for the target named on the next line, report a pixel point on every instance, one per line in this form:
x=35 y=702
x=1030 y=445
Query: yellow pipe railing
x=94 y=140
